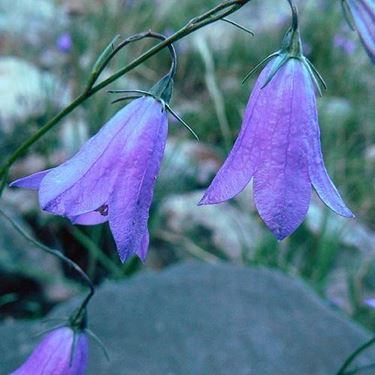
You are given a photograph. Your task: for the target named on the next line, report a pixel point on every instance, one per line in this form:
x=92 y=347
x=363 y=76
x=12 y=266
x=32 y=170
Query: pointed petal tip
x=142 y=258
x=207 y=199
x=203 y=201
x=347 y=213
x=279 y=234
x=123 y=257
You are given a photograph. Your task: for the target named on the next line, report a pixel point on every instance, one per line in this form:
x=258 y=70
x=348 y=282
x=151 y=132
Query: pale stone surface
x=199 y=319
x=26 y=91
x=229 y=230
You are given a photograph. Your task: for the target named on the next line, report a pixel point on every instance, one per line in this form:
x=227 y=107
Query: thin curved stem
x=57 y=254
x=294 y=15
x=217 y=13
x=354 y=355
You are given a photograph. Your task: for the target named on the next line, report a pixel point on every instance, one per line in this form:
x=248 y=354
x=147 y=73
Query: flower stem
x=294 y=15
x=350 y=359
x=59 y=255
x=217 y=13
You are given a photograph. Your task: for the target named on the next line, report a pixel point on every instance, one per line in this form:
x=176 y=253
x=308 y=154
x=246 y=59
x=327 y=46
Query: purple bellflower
x=62 y=351
x=279 y=145
x=112 y=177
x=362 y=13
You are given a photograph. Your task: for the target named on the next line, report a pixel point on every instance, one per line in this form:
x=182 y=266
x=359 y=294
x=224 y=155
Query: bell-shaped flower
x=363 y=14
x=63 y=351
x=112 y=177
x=279 y=147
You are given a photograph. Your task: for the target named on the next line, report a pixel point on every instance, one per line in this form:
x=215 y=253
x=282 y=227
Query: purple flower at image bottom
x=363 y=13
x=279 y=147
x=61 y=352
x=112 y=177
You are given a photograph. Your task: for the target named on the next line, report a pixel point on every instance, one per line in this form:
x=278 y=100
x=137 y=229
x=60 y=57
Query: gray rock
x=30 y=20
x=25 y=91
x=199 y=319
x=187 y=164
x=226 y=228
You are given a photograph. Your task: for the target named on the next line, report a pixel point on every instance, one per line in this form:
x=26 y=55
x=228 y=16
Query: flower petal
x=142 y=251
x=246 y=153
x=130 y=201
x=84 y=182
x=54 y=355
x=282 y=189
x=31 y=182
x=317 y=170
x=364 y=17
x=90 y=218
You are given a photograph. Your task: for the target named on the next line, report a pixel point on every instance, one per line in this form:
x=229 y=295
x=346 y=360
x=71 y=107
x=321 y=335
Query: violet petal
x=317 y=170
x=31 y=182
x=89 y=218
x=363 y=12
x=142 y=251
x=85 y=181
x=130 y=201
x=54 y=355
x=282 y=188
x=246 y=153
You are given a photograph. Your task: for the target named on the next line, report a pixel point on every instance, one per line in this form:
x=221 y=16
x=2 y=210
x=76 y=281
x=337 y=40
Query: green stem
x=96 y=252
x=294 y=15
x=217 y=13
x=57 y=254
x=350 y=359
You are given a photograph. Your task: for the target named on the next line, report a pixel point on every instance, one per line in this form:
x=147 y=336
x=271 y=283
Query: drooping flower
x=279 y=146
x=363 y=15
x=63 y=351
x=112 y=177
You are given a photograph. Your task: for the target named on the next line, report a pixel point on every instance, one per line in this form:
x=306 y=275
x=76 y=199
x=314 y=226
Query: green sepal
x=315 y=75
x=163 y=89
x=275 y=69
x=263 y=62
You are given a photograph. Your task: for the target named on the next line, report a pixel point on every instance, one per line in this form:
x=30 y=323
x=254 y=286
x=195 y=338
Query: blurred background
x=47 y=49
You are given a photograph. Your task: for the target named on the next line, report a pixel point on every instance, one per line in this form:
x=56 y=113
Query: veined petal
x=57 y=355
x=84 y=182
x=130 y=201
x=142 y=251
x=247 y=151
x=317 y=170
x=31 y=182
x=363 y=12
x=98 y=216
x=282 y=189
